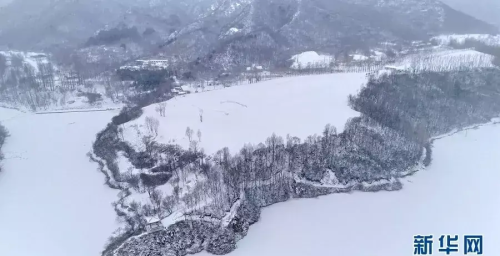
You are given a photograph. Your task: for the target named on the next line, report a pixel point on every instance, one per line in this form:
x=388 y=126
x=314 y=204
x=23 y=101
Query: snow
x=378 y=55
x=441 y=60
x=53 y=200
x=153 y=220
x=30 y=58
x=232 y=31
x=251 y=113
x=125 y=166
x=456 y=195
x=310 y=58
x=485 y=38
x=59 y=99
x=359 y=57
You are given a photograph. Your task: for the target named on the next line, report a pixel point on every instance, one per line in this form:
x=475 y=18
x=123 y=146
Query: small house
x=154 y=224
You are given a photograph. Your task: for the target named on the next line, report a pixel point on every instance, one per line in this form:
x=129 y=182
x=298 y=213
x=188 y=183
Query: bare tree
x=3 y=65
x=199 y=135
x=167 y=206
x=160 y=108
x=152 y=124
x=156 y=197
x=120 y=132
x=189 y=134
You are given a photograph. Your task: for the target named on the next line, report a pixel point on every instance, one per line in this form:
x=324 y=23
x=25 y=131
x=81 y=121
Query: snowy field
x=53 y=201
x=299 y=106
x=457 y=195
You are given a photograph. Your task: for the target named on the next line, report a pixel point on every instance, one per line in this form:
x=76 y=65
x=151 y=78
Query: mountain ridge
x=225 y=34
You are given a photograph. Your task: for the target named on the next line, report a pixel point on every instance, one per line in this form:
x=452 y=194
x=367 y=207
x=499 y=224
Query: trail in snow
x=53 y=202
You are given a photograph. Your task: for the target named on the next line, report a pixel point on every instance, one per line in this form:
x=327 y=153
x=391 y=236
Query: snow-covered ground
x=232 y=117
x=457 y=195
x=53 y=201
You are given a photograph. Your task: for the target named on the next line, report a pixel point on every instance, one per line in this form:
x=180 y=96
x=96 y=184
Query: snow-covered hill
x=446 y=60
x=232 y=117
x=440 y=60
x=53 y=202
x=311 y=59
x=31 y=81
x=456 y=195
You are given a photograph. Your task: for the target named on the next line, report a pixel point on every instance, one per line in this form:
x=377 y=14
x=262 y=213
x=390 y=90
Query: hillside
x=34 y=81
x=42 y=24
x=274 y=30
x=225 y=34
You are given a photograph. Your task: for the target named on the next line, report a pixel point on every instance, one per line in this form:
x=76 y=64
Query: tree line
x=3 y=137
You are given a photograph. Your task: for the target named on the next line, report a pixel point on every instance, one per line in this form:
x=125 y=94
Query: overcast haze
x=487 y=10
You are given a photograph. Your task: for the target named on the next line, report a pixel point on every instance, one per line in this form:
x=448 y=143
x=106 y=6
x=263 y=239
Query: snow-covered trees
x=161 y=108
x=400 y=115
x=3 y=136
x=152 y=125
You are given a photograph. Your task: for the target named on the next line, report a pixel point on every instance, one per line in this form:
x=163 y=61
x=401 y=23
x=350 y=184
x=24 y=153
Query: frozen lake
x=232 y=117
x=53 y=201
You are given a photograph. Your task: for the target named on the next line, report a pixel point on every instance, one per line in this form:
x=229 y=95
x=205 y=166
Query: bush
x=222 y=242
x=127 y=114
x=3 y=136
x=91 y=97
x=155 y=180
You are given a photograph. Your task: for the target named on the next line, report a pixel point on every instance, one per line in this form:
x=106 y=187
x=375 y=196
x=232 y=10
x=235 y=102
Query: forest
x=400 y=115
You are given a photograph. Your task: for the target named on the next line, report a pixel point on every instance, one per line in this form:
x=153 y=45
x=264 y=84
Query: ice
x=232 y=117
x=53 y=201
